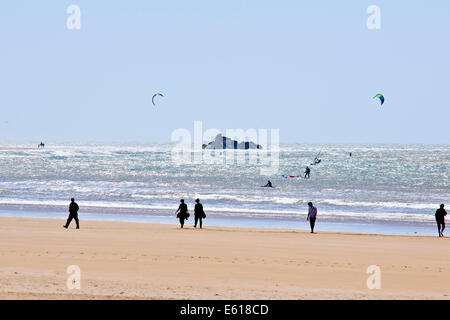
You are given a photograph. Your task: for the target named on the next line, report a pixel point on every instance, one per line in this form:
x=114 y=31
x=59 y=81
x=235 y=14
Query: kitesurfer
x=307 y=172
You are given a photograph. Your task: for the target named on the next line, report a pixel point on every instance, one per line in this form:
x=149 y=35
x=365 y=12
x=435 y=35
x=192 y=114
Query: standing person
x=199 y=214
x=307 y=172
x=440 y=219
x=73 y=214
x=312 y=213
x=182 y=212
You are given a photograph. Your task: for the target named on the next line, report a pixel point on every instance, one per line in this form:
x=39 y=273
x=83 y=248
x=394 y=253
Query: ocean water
x=381 y=188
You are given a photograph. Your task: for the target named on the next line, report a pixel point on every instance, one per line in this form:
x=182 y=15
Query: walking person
x=73 y=214
x=182 y=212
x=312 y=214
x=440 y=219
x=199 y=214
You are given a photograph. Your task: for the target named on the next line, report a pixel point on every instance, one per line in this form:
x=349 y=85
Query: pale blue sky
x=308 y=68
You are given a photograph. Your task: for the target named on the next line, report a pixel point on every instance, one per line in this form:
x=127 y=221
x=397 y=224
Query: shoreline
x=126 y=260
x=155 y=216
x=188 y=225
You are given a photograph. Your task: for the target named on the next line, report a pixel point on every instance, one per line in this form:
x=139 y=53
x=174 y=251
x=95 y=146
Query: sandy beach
x=121 y=260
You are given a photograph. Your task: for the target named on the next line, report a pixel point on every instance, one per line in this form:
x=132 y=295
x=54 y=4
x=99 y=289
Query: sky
x=307 y=68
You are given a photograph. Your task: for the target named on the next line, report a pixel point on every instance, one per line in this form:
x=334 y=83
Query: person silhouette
x=73 y=214
x=182 y=212
x=199 y=214
x=440 y=219
x=307 y=172
x=268 y=184
x=312 y=214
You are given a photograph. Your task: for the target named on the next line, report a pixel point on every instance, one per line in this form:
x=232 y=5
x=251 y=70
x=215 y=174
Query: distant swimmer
x=307 y=172
x=268 y=184
x=440 y=219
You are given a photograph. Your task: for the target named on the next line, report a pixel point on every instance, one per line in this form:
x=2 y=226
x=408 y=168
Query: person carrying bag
x=199 y=214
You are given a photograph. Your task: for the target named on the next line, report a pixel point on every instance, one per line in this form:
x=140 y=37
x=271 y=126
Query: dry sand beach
x=121 y=260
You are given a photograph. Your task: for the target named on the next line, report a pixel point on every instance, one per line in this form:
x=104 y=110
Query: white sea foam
x=387 y=204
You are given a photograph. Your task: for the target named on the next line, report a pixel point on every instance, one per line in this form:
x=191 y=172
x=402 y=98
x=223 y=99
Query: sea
x=383 y=189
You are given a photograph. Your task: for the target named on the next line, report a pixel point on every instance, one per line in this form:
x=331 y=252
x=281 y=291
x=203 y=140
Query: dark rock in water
x=221 y=142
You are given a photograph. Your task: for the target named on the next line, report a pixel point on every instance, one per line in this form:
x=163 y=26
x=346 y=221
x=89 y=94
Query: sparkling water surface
x=394 y=186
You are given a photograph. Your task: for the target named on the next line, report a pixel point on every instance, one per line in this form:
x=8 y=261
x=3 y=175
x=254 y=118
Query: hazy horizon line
x=35 y=142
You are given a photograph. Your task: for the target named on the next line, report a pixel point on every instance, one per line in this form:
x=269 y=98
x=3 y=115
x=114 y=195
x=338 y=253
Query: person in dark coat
x=312 y=215
x=199 y=214
x=440 y=219
x=73 y=214
x=182 y=212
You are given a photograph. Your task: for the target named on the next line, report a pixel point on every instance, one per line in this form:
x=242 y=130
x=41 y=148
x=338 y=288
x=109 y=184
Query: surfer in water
x=268 y=184
x=307 y=172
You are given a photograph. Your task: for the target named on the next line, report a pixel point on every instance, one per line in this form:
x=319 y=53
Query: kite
x=286 y=176
x=155 y=95
x=381 y=97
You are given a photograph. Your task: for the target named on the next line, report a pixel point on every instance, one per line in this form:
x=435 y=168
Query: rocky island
x=221 y=142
